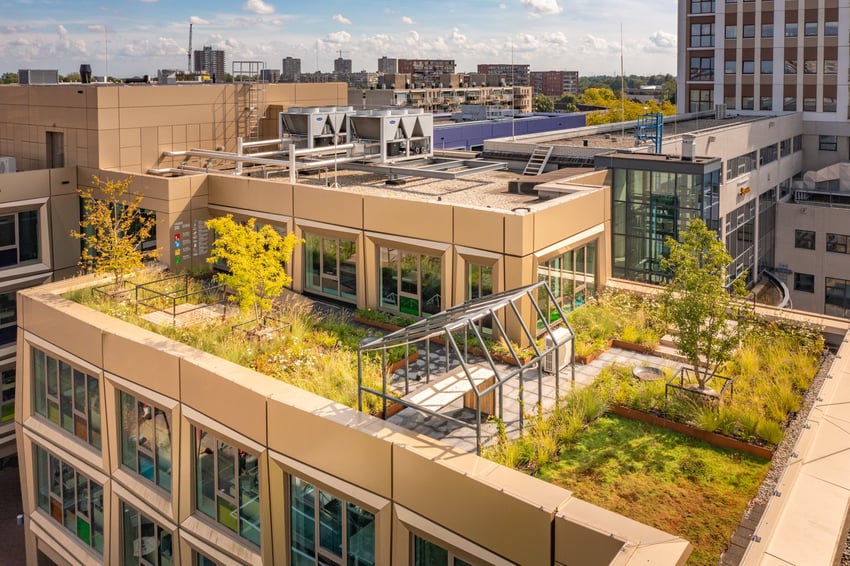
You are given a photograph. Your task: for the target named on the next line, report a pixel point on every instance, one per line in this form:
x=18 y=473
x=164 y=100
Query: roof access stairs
x=538 y=160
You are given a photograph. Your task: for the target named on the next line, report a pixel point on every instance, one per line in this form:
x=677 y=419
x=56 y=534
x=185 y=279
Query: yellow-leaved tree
x=255 y=259
x=113 y=229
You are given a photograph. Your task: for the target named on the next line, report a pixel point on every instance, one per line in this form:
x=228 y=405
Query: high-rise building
x=211 y=61
x=290 y=70
x=554 y=83
x=387 y=65
x=342 y=67
x=426 y=72
x=760 y=57
x=516 y=75
x=270 y=75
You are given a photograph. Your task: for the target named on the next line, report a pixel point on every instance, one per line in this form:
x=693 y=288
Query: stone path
x=462 y=435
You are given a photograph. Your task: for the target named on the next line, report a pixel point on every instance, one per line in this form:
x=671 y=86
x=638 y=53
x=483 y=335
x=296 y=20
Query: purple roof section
x=471 y=135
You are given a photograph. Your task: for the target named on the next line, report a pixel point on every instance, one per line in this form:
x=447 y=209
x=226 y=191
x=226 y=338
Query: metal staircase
x=538 y=160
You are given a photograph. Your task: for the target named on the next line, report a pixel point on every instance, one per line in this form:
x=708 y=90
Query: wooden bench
x=446 y=388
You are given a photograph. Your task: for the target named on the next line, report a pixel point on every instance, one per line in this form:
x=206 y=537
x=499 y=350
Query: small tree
x=543 y=103
x=255 y=259
x=112 y=230
x=699 y=303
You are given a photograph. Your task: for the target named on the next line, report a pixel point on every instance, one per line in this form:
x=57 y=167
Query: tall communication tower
x=189 y=53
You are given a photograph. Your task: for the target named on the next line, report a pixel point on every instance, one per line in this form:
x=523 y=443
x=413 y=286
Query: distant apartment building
x=426 y=72
x=211 y=61
x=387 y=65
x=270 y=75
x=290 y=70
x=555 y=83
x=445 y=99
x=517 y=75
x=342 y=67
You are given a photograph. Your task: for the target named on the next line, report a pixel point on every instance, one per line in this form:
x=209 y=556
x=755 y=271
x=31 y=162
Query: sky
x=134 y=37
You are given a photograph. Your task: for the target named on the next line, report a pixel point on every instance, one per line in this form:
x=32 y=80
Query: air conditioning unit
x=563 y=340
x=7 y=165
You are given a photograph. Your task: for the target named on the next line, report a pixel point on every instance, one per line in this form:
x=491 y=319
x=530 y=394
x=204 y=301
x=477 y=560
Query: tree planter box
x=586 y=359
x=712 y=438
x=632 y=346
x=377 y=324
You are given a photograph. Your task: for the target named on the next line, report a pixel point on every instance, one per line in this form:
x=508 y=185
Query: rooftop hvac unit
x=7 y=165
x=563 y=340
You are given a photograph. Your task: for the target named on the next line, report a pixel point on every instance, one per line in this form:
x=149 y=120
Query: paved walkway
x=463 y=434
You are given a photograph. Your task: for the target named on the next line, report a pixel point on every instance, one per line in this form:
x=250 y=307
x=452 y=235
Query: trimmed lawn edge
x=712 y=438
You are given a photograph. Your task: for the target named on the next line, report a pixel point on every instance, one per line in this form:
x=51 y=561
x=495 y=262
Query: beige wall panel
x=352 y=446
x=131 y=159
x=25 y=185
x=169 y=95
x=130 y=137
x=579 y=544
x=193 y=134
x=65 y=218
x=328 y=205
x=164 y=135
x=250 y=194
x=427 y=221
x=481 y=229
x=555 y=223
x=63 y=181
x=57 y=118
x=178 y=135
x=103 y=97
x=70 y=96
x=476 y=499
x=198 y=186
x=108 y=154
x=237 y=401
x=150 y=147
x=519 y=232
x=144 y=358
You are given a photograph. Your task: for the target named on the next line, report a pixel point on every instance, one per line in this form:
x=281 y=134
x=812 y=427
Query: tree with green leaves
x=255 y=259
x=112 y=230
x=543 y=103
x=707 y=311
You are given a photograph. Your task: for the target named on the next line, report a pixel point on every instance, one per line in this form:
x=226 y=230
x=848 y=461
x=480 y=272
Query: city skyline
x=140 y=36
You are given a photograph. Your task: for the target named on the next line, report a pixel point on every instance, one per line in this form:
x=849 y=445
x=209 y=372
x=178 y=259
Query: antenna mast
x=189 y=52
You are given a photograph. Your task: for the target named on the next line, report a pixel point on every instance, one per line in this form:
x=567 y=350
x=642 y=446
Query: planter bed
x=712 y=438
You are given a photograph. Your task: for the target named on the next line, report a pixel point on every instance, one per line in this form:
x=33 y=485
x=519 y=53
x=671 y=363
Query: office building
x=211 y=62
x=290 y=70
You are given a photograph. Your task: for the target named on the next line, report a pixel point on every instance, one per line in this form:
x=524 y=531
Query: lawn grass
x=672 y=482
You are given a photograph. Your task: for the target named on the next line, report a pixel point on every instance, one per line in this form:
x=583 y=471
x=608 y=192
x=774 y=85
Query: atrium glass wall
x=227 y=485
x=740 y=242
x=327 y=530
x=649 y=207
x=411 y=282
x=145 y=440
x=571 y=276
x=767 y=229
x=330 y=266
x=70 y=498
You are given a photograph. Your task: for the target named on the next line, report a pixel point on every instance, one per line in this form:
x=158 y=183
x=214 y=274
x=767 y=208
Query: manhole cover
x=648 y=373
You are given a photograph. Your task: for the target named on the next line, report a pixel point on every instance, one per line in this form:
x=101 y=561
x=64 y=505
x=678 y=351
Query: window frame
x=407 y=291
x=804 y=282
x=805 y=239
x=132 y=556
x=827 y=143
x=21 y=231
x=8 y=382
x=151 y=449
x=341 y=276
x=838 y=243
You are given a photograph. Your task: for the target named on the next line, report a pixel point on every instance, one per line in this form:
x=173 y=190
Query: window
x=810 y=29
x=18 y=237
x=701 y=99
x=767 y=154
x=740 y=165
x=571 y=276
x=810 y=67
x=327 y=530
x=837 y=243
x=427 y=553
x=829 y=104
x=828 y=143
x=199 y=559
x=789 y=103
x=70 y=498
x=766 y=103
x=702 y=35
x=55 y=146
x=790 y=66
x=830 y=28
x=749 y=30
x=731 y=32
x=143 y=542
x=145 y=440
x=798 y=143
x=804 y=282
x=730 y=102
x=830 y=66
x=479 y=283
x=767 y=30
x=748 y=67
x=766 y=67
x=8 y=318
x=410 y=282
x=7 y=395
x=785 y=147
x=702 y=68
x=837 y=297
x=330 y=266
x=67 y=396
x=227 y=485
x=810 y=104
x=804 y=239
x=729 y=67
x=702 y=6
x=791 y=29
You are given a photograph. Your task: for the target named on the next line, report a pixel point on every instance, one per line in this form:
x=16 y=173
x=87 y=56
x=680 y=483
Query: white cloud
x=337 y=37
x=458 y=38
x=258 y=7
x=542 y=7
x=162 y=46
x=148 y=1
x=197 y=20
x=340 y=19
x=95 y=27
x=503 y=6
x=407 y=20
x=661 y=42
x=62 y=31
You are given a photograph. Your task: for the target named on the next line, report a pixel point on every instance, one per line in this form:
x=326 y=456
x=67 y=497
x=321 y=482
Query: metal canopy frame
x=459 y=330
